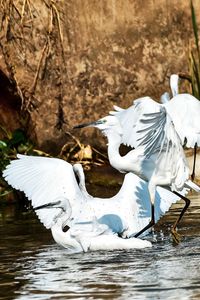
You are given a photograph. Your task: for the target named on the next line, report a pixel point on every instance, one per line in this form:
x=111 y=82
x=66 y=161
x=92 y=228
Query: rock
x=71 y=61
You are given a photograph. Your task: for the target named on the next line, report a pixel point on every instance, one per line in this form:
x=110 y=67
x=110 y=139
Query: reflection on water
x=34 y=267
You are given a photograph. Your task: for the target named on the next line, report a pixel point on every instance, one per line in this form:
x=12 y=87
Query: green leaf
x=5 y=132
x=195 y=77
x=5 y=193
x=194 y=25
x=18 y=137
x=3 y=145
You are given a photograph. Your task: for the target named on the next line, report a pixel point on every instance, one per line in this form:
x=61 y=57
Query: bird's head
x=61 y=211
x=106 y=124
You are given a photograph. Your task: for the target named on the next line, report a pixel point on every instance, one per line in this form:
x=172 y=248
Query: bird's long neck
x=114 y=141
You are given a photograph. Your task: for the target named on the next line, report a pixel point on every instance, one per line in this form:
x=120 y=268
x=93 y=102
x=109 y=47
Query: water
x=34 y=267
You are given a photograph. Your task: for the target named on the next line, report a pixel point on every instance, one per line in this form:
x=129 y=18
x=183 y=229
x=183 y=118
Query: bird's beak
x=90 y=124
x=49 y=205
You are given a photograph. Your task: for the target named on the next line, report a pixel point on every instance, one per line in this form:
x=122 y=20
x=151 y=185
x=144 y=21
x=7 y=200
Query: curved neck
x=114 y=141
x=65 y=239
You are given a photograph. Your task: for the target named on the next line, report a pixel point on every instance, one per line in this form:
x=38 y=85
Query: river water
x=33 y=267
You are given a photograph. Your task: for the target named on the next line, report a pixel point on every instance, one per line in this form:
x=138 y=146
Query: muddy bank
x=70 y=61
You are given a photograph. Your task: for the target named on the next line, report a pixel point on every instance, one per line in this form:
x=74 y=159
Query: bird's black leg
x=173 y=230
x=151 y=223
x=194 y=163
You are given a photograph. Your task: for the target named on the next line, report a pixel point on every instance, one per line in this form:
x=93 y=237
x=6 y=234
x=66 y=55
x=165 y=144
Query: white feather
x=95 y=221
x=43 y=180
x=184 y=109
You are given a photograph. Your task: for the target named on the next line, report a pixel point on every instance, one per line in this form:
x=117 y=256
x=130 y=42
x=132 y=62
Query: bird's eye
x=104 y=121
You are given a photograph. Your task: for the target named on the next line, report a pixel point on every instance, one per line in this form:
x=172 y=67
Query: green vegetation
x=11 y=144
x=17 y=142
x=194 y=57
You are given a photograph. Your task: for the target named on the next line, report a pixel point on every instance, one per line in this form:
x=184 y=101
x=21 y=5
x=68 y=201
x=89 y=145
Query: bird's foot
x=176 y=237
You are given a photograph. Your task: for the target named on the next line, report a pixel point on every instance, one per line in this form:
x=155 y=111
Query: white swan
x=61 y=201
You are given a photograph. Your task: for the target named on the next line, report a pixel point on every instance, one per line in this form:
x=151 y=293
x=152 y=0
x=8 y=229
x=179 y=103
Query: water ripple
x=34 y=267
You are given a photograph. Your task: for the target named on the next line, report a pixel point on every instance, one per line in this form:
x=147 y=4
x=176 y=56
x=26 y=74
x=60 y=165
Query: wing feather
x=184 y=109
x=128 y=119
x=135 y=190
x=152 y=131
x=158 y=136
x=43 y=180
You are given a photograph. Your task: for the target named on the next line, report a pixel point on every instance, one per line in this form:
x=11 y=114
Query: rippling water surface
x=34 y=267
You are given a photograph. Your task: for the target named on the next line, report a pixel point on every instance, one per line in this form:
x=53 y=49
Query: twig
x=101 y=154
x=74 y=138
x=23 y=10
x=32 y=89
x=185 y=76
x=17 y=10
x=58 y=21
x=29 y=8
x=59 y=26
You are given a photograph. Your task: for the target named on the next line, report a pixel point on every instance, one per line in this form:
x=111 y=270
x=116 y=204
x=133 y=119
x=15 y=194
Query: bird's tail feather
x=192 y=185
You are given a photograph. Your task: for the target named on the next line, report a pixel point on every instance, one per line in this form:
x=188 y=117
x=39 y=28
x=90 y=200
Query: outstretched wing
x=156 y=133
x=152 y=129
x=128 y=119
x=134 y=191
x=184 y=110
x=43 y=180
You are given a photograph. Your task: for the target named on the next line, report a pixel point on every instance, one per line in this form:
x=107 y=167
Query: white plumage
x=158 y=156
x=94 y=223
x=174 y=78
x=184 y=109
x=147 y=127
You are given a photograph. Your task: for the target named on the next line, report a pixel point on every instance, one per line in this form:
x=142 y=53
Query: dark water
x=34 y=267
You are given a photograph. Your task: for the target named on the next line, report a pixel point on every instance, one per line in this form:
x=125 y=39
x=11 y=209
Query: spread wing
x=128 y=119
x=184 y=110
x=43 y=180
x=153 y=130
x=144 y=114
x=134 y=191
x=156 y=133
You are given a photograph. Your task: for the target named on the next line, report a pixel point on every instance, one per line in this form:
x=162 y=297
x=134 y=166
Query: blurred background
x=67 y=62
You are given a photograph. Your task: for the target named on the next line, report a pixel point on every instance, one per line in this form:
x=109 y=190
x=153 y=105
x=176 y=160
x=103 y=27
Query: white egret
x=173 y=81
x=61 y=201
x=158 y=156
x=184 y=110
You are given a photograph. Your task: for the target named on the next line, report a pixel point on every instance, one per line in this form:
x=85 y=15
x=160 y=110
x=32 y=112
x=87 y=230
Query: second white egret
x=184 y=110
x=158 y=156
x=61 y=202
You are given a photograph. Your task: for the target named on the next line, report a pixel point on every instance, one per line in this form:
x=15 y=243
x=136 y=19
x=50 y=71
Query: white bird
x=184 y=110
x=61 y=201
x=173 y=81
x=158 y=156
x=174 y=78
